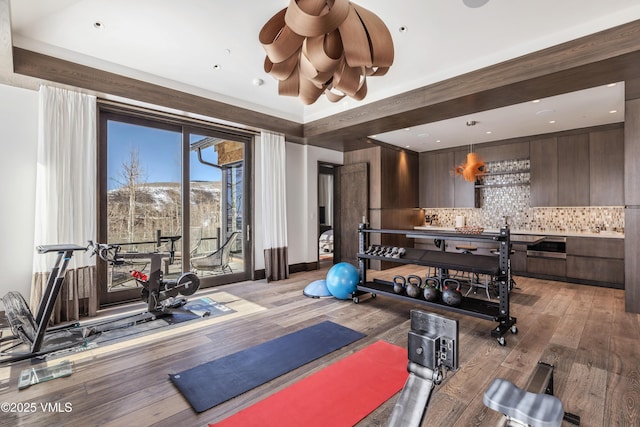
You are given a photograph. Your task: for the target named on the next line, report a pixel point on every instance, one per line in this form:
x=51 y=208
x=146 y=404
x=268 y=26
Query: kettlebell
x=414 y=286
x=431 y=290
x=399 y=283
x=451 y=294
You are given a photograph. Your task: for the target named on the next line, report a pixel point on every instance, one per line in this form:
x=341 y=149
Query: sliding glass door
x=172 y=188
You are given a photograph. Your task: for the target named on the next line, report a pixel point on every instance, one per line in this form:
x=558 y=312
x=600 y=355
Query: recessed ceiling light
x=98 y=25
x=611 y=84
x=403 y=29
x=227 y=51
x=258 y=82
x=613 y=111
x=437 y=140
x=407 y=146
x=407 y=129
x=535 y=101
x=552 y=121
x=217 y=67
x=488 y=132
x=374 y=136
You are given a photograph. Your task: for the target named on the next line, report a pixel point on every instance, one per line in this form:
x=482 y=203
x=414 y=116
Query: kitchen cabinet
x=547 y=267
x=573 y=170
x=596 y=260
x=544 y=171
x=436 y=183
x=606 y=167
x=578 y=169
x=463 y=191
x=439 y=186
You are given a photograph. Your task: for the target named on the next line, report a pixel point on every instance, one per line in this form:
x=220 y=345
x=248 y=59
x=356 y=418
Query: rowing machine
x=433 y=348
x=535 y=405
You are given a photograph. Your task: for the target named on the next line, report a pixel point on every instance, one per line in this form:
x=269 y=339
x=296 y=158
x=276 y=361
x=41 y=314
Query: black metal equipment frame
x=497 y=267
x=31 y=331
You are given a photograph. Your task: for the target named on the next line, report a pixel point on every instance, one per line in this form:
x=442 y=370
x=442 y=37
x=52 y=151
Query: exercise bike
x=159 y=294
x=32 y=336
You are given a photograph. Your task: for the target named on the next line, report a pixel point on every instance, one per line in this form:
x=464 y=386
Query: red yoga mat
x=339 y=395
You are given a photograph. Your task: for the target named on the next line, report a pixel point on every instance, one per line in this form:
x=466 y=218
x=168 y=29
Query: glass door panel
x=143 y=200
x=217 y=209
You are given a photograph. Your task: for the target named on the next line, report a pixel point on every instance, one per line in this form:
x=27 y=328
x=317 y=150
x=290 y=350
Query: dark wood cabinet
x=544 y=171
x=547 y=266
x=439 y=186
x=578 y=168
x=606 y=167
x=573 y=170
x=596 y=260
x=463 y=191
x=437 y=183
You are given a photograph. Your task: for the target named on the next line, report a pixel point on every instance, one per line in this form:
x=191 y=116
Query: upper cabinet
x=544 y=171
x=606 y=165
x=578 y=169
x=573 y=170
x=439 y=187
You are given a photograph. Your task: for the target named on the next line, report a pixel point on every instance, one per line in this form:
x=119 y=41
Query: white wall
x=18 y=141
x=302 y=200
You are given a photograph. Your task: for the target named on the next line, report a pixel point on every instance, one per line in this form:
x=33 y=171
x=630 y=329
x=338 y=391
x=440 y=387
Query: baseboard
x=293 y=268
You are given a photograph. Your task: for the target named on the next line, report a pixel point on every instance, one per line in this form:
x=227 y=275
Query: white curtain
x=274 y=206
x=66 y=197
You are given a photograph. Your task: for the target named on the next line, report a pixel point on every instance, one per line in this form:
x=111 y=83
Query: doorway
x=326 y=214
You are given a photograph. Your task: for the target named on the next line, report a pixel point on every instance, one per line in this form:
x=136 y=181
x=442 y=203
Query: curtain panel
x=66 y=198
x=274 y=206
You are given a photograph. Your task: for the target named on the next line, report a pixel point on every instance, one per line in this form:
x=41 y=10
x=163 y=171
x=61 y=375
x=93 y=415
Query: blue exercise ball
x=342 y=280
x=317 y=289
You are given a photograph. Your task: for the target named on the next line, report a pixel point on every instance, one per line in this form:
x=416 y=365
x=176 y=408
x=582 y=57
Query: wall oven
x=550 y=247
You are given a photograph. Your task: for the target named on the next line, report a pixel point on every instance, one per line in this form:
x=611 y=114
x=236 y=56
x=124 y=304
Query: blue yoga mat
x=212 y=383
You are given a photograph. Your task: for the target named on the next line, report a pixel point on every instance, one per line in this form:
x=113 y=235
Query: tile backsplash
x=509 y=196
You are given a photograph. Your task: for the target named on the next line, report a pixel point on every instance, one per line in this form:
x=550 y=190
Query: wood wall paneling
x=370 y=156
x=399 y=179
x=573 y=170
x=631 y=256
x=353 y=206
x=632 y=200
x=544 y=172
x=632 y=153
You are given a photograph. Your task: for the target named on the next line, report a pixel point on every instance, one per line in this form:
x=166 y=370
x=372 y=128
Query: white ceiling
x=178 y=44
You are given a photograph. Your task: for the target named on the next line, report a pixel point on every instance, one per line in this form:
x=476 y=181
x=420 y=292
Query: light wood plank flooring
x=582 y=330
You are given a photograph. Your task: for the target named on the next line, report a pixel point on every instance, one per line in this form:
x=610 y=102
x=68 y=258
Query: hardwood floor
x=582 y=330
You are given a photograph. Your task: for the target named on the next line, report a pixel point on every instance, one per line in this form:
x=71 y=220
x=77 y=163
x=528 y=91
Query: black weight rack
x=497 y=267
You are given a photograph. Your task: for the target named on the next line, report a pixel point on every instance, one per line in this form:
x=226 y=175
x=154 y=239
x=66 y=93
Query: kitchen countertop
x=608 y=234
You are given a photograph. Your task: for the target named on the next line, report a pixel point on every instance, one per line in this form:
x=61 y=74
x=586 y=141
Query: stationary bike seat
x=535 y=409
x=43 y=249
